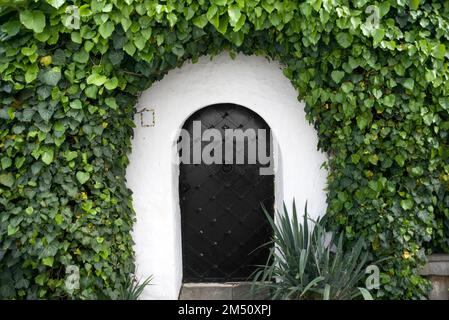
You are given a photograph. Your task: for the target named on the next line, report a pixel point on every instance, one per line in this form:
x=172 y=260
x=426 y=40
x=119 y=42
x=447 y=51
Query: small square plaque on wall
x=147 y=117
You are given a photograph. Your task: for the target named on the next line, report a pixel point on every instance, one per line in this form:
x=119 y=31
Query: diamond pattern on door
x=222 y=222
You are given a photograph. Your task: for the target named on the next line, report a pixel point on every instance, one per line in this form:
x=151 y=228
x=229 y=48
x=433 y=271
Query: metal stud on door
x=222 y=222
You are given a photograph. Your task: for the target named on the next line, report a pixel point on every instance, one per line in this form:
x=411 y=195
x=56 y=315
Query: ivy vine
x=373 y=74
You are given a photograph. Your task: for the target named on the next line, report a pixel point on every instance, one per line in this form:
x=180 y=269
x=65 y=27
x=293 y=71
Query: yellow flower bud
x=46 y=61
x=406 y=255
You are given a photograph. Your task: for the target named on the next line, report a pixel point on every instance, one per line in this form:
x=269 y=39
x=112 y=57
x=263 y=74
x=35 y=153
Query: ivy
x=34 y=20
x=376 y=90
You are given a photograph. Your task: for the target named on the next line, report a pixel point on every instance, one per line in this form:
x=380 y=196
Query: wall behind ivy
x=376 y=91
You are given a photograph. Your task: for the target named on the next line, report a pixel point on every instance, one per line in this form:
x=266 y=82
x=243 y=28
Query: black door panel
x=221 y=217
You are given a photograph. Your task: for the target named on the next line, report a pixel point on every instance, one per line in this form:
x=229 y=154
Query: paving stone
x=437 y=271
x=220 y=291
x=440 y=288
x=242 y=291
x=205 y=291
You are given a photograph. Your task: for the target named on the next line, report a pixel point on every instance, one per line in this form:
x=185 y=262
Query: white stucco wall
x=250 y=81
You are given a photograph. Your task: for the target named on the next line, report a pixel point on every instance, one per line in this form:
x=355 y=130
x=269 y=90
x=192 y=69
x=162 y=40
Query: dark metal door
x=222 y=222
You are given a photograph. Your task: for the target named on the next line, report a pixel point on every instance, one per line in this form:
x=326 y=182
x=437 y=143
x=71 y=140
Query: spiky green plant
x=302 y=265
x=133 y=288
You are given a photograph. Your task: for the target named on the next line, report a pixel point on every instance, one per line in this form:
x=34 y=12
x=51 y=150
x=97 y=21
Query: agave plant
x=133 y=288
x=342 y=269
x=302 y=265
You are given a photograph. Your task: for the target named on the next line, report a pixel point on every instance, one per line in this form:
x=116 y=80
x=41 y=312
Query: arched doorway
x=222 y=222
x=153 y=175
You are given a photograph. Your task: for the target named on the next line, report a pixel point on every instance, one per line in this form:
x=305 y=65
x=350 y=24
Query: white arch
x=250 y=81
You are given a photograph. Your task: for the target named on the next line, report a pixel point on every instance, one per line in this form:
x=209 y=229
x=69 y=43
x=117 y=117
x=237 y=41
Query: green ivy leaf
x=106 y=29
x=409 y=84
x=269 y=7
x=237 y=38
x=389 y=100
x=172 y=19
x=140 y=41
x=11 y=27
x=159 y=39
x=76 y=104
x=384 y=8
x=444 y=103
x=355 y=158
x=116 y=57
x=47 y=156
x=111 y=103
x=82 y=177
x=376 y=185
x=48 y=261
x=91 y=91
x=223 y=24
x=126 y=23
x=31 y=73
x=363 y=120
x=417 y=171
x=239 y=25
x=51 y=76
x=200 y=21
x=373 y=159
x=347 y=87
x=275 y=19
x=428 y=118
x=234 y=14
x=7 y=179
x=40 y=279
x=70 y=155
x=378 y=36
x=56 y=3
x=178 y=49
x=344 y=39
x=220 y=2
x=6 y=162
x=82 y=56
x=58 y=219
x=12 y=230
x=213 y=15
x=407 y=204
x=19 y=162
x=34 y=20
x=76 y=37
x=439 y=51
x=96 y=79
x=111 y=84
x=59 y=126
x=337 y=76
x=414 y=4
x=29 y=210
x=28 y=51
x=400 y=160
x=129 y=48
